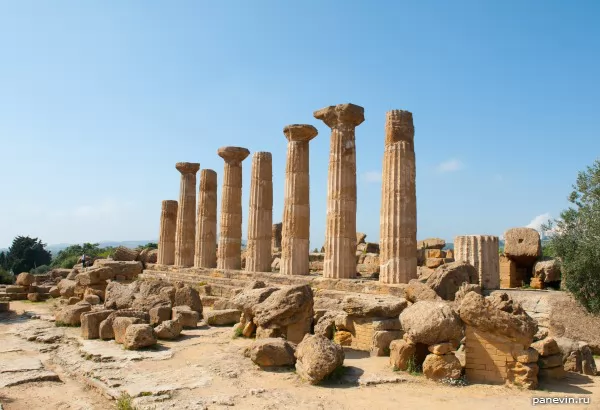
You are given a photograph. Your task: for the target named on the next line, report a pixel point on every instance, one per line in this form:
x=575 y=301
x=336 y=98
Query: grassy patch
x=202 y=283
x=413 y=368
x=145 y=394
x=238 y=332
x=124 y=402
x=58 y=323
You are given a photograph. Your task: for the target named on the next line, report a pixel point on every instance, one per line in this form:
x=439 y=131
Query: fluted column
x=260 y=216
x=186 y=214
x=398 y=215
x=481 y=251
x=206 y=231
x=166 y=236
x=229 y=253
x=296 y=207
x=340 y=230
x=276 y=237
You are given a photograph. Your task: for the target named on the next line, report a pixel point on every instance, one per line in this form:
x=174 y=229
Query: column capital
x=341 y=114
x=233 y=155
x=300 y=132
x=187 y=167
x=399 y=126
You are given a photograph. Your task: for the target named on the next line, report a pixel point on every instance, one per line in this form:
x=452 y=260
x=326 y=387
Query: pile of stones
x=550 y=359
x=522 y=261
x=431 y=253
x=35 y=288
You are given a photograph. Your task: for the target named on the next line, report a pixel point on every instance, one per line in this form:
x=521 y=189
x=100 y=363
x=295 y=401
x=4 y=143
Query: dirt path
x=206 y=369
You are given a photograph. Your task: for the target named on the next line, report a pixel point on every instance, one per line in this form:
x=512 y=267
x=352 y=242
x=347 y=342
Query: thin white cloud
x=537 y=222
x=451 y=165
x=372 y=176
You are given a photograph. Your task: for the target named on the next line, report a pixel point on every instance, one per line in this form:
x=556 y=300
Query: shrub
x=575 y=239
x=40 y=269
x=69 y=262
x=124 y=402
x=6 y=278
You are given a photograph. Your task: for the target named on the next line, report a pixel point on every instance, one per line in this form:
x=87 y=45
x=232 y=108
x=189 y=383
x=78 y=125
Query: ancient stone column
x=481 y=251
x=166 y=236
x=398 y=214
x=276 y=237
x=260 y=216
x=340 y=230
x=186 y=215
x=230 y=228
x=206 y=231
x=296 y=207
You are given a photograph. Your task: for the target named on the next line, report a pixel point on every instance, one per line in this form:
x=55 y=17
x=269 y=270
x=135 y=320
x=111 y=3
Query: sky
x=100 y=99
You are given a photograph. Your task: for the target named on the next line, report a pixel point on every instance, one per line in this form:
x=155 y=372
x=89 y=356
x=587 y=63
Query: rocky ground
x=48 y=367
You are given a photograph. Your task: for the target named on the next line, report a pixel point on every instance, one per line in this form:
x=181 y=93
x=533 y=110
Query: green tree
x=149 y=245
x=69 y=256
x=576 y=239
x=26 y=253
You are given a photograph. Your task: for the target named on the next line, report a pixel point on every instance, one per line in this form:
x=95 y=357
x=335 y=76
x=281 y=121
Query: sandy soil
x=206 y=369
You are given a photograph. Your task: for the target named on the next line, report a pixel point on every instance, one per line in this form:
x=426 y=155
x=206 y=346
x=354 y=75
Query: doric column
x=276 y=237
x=340 y=230
x=481 y=251
x=206 y=232
x=229 y=253
x=260 y=215
x=398 y=215
x=296 y=207
x=166 y=236
x=186 y=214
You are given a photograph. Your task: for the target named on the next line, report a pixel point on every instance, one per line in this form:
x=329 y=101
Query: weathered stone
x=523 y=375
x=121 y=270
x=433 y=263
x=123 y=253
x=387 y=324
x=325 y=325
x=529 y=355
x=317 y=357
x=71 y=315
x=248 y=298
x=106 y=326
x=296 y=208
x=431 y=243
x=442 y=367
x=73 y=300
x=547 y=271
x=272 y=352
x=90 y=323
x=546 y=347
x=447 y=279
x=230 y=229
x=187 y=317
x=401 y=352
x=120 y=325
x=25 y=279
x=119 y=296
x=249 y=329
x=588 y=364
x=340 y=230
x=54 y=292
x=35 y=297
x=342 y=338
x=382 y=340
x=276 y=236
x=206 y=231
x=168 y=329
x=556 y=373
x=188 y=296
x=554 y=360
x=363 y=305
x=222 y=317
x=522 y=245
x=66 y=288
x=92 y=299
x=260 y=216
x=441 y=348
x=138 y=336
x=431 y=322
x=284 y=307
x=498 y=314
x=482 y=252
x=464 y=289
x=360 y=237
x=168 y=229
x=185 y=235
x=159 y=314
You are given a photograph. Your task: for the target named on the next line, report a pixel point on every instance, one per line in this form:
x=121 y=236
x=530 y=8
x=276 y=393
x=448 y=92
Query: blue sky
x=100 y=99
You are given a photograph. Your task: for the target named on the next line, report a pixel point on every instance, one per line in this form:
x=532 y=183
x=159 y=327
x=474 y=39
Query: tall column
x=260 y=216
x=481 y=251
x=206 y=232
x=296 y=207
x=166 y=236
x=229 y=253
x=340 y=230
x=276 y=237
x=398 y=215
x=186 y=214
